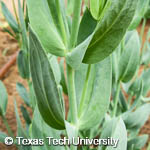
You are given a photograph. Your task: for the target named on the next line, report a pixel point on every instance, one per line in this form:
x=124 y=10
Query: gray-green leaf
x=40 y=130
x=3 y=99
x=117 y=130
x=129 y=59
x=110 y=30
x=45 y=85
x=138 y=142
x=9 y=17
x=23 y=64
x=42 y=23
x=2 y=137
x=23 y=93
x=142 y=6
x=141 y=118
x=97 y=104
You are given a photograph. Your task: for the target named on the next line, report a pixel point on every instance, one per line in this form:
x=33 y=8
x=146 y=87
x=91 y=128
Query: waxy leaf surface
x=110 y=30
x=45 y=85
x=3 y=99
x=95 y=108
x=42 y=22
x=130 y=57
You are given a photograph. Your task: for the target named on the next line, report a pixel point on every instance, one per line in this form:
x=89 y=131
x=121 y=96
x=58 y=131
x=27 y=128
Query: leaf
x=40 y=130
x=148 y=147
x=25 y=115
x=2 y=137
x=142 y=6
x=46 y=31
x=130 y=57
x=115 y=65
x=63 y=79
x=146 y=82
x=138 y=97
x=135 y=86
x=98 y=8
x=117 y=130
x=20 y=130
x=146 y=55
x=74 y=59
x=58 y=13
x=23 y=65
x=32 y=95
x=95 y=108
x=87 y=26
x=110 y=30
x=94 y=8
x=138 y=142
x=9 y=32
x=9 y=17
x=123 y=101
x=62 y=101
x=55 y=67
x=147 y=13
x=23 y=27
x=80 y=77
x=72 y=131
x=70 y=6
x=44 y=85
x=141 y=118
x=23 y=93
x=3 y=99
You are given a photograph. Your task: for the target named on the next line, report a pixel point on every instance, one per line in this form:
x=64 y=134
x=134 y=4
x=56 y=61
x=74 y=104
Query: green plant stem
x=61 y=22
x=72 y=94
x=116 y=100
x=7 y=127
x=75 y=23
x=83 y=97
x=72 y=99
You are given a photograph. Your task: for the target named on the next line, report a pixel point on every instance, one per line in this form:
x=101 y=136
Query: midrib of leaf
x=46 y=99
x=108 y=28
x=44 y=87
x=90 y=100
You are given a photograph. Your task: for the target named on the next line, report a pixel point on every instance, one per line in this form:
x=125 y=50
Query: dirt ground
x=8 y=46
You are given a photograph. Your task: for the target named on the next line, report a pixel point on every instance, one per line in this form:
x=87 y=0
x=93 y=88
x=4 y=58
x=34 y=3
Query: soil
x=8 y=46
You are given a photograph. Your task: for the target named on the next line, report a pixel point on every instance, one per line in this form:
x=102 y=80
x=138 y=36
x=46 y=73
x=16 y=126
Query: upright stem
x=70 y=71
x=63 y=32
x=72 y=94
x=116 y=99
x=75 y=23
x=7 y=127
